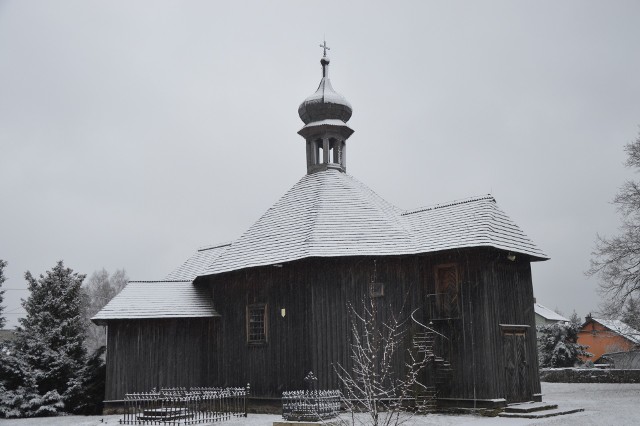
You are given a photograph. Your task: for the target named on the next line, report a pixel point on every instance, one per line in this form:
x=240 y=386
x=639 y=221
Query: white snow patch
x=604 y=404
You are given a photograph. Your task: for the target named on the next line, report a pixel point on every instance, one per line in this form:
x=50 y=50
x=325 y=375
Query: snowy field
x=604 y=404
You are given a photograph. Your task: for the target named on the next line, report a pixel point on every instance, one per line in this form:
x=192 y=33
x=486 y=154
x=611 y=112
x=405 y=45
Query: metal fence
x=310 y=406
x=181 y=406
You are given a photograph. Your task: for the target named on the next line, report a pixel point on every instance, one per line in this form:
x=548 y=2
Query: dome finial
x=325 y=115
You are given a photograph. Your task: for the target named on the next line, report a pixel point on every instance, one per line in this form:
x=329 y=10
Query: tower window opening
x=318 y=149
x=334 y=153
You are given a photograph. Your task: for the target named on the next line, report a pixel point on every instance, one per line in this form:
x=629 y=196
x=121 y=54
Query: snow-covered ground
x=604 y=404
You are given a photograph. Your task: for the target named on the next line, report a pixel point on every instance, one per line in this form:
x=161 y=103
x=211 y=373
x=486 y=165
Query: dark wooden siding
x=314 y=334
x=144 y=354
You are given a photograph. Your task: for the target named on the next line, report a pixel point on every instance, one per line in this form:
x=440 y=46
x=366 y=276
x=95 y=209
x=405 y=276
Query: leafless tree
x=616 y=260
x=372 y=385
x=98 y=290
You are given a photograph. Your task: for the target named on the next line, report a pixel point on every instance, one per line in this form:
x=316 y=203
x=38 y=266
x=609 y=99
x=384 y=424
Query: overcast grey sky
x=132 y=133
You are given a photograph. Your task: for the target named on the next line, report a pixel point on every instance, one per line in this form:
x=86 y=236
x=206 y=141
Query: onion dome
x=325 y=103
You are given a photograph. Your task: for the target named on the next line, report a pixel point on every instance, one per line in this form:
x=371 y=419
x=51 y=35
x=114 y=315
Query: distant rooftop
x=548 y=314
x=620 y=328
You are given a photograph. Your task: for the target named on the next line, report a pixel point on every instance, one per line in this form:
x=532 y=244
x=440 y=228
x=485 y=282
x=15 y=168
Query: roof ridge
x=210 y=247
x=449 y=204
x=313 y=215
x=391 y=211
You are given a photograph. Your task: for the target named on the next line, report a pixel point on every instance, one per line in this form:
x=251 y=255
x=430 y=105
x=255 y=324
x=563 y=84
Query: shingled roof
x=330 y=213
x=158 y=299
x=197 y=263
x=173 y=297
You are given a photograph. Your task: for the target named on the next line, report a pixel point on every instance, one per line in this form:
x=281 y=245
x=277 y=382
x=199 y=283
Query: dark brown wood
x=144 y=354
x=314 y=334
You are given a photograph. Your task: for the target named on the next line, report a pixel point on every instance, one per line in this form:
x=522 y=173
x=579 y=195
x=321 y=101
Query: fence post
x=247 y=392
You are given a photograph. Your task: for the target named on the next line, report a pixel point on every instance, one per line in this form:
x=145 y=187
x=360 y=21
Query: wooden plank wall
x=144 y=354
x=512 y=286
x=314 y=334
x=494 y=291
x=282 y=363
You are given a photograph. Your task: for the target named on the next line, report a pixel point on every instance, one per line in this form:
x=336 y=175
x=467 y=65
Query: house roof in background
x=547 y=313
x=620 y=328
x=330 y=213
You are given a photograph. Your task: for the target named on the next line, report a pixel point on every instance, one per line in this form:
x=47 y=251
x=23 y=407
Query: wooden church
x=272 y=305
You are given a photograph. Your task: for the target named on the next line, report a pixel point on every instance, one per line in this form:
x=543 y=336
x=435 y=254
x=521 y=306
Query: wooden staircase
x=439 y=369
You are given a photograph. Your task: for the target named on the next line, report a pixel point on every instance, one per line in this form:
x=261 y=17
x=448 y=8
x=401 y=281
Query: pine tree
x=575 y=318
x=3 y=320
x=558 y=346
x=50 y=337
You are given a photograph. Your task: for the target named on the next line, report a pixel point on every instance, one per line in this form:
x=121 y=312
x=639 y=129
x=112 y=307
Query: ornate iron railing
x=181 y=406
x=310 y=405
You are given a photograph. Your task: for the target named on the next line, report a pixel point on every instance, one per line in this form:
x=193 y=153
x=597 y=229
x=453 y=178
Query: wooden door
x=516 y=365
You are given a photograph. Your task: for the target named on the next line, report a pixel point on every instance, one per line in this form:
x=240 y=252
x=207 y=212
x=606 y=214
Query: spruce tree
x=50 y=337
x=558 y=346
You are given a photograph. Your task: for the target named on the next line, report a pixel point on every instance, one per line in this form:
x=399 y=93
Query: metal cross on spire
x=325 y=47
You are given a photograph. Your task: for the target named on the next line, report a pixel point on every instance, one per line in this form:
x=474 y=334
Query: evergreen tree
x=558 y=346
x=575 y=318
x=3 y=320
x=50 y=337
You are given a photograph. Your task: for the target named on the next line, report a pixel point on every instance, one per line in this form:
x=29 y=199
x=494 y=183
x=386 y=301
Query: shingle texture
x=197 y=263
x=158 y=299
x=330 y=213
x=173 y=297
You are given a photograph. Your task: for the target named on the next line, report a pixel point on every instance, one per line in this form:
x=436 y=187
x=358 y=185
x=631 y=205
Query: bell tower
x=325 y=114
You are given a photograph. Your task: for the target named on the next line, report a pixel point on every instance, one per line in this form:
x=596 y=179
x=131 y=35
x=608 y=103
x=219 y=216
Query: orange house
x=604 y=336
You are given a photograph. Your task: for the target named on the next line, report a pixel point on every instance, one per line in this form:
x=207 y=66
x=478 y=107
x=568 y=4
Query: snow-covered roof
x=621 y=328
x=474 y=222
x=197 y=263
x=330 y=213
x=548 y=314
x=174 y=296
x=158 y=299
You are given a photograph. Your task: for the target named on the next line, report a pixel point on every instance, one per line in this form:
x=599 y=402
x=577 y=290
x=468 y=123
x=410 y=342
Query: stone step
x=541 y=414
x=528 y=407
x=165 y=414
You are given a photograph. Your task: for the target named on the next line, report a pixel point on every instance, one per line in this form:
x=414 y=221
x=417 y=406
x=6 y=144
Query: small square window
x=376 y=289
x=257 y=324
